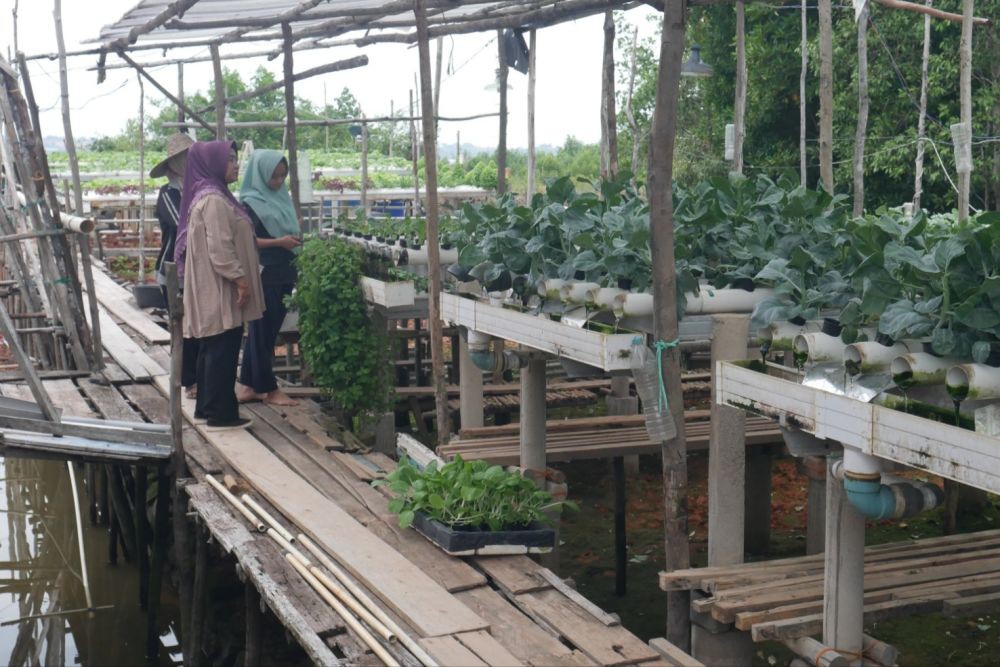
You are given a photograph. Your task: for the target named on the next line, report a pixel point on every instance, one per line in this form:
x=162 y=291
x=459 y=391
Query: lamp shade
x=694 y=65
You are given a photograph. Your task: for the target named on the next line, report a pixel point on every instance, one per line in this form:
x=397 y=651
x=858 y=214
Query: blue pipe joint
x=484 y=360
x=870 y=497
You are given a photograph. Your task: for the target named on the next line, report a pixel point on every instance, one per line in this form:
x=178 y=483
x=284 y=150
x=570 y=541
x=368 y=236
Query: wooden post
x=254 y=625
x=458 y=146
x=965 y=102
x=414 y=153
x=437 y=80
x=470 y=385
x=740 y=104
x=815 y=470
x=609 y=119
x=180 y=93
x=674 y=453
x=532 y=415
x=293 y=143
x=392 y=125
x=727 y=452
x=141 y=537
x=160 y=532
x=502 y=143
x=844 y=570
x=862 y=128
x=142 y=181
x=826 y=95
x=531 y=187
x=803 y=73
x=364 y=167
x=220 y=94
x=918 y=167
x=757 y=502
x=198 y=596
x=433 y=246
x=621 y=529
x=629 y=114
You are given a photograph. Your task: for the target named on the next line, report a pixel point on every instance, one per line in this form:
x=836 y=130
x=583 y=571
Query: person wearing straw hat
x=168 y=204
x=267 y=201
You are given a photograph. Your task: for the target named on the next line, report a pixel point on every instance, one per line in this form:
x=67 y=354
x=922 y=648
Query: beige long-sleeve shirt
x=221 y=249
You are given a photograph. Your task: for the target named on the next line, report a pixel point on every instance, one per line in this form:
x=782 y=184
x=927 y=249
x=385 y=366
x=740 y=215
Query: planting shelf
x=609 y=352
x=388 y=294
x=947 y=451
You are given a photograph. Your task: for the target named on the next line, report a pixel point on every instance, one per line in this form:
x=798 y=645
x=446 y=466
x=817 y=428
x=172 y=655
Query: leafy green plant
x=346 y=354
x=468 y=494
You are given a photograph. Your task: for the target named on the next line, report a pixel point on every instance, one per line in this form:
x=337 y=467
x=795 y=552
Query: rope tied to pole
x=850 y=655
x=662 y=346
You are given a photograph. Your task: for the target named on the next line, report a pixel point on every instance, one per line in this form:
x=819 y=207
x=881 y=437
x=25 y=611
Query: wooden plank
x=419 y=600
x=125 y=351
x=118 y=301
x=109 y=402
x=673 y=655
x=488 y=649
x=803 y=626
x=66 y=395
x=608 y=645
x=514 y=574
x=449 y=651
x=591 y=608
x=508 y=625
x=987 y=603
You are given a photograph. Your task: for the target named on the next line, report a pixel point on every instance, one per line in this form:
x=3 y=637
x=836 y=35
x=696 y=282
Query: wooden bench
x=783 y=599
x=595 y=437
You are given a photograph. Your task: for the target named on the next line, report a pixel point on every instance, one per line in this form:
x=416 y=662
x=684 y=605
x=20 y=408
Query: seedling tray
x=537 y=538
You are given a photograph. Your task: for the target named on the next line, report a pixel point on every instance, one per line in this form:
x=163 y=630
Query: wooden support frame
x=178 y=101
x=291 y=141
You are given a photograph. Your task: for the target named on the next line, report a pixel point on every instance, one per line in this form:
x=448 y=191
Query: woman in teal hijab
x=266 y=199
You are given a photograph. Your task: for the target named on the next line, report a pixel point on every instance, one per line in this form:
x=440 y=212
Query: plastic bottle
x=659 y=425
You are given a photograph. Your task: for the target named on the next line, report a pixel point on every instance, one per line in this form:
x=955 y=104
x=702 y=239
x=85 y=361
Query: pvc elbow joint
x=876 y=500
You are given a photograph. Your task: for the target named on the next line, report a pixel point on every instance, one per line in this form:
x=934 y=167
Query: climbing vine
x=346 y=353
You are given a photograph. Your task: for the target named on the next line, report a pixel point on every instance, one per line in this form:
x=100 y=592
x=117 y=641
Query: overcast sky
x=568 y=86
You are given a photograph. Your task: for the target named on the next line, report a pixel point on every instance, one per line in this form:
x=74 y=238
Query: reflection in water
x=41 y=577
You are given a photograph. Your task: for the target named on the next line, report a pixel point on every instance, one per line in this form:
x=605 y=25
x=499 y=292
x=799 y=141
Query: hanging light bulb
x=694 y=65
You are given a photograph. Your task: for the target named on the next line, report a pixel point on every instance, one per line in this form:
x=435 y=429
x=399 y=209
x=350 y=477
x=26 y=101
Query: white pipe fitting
x=709 y=301
x=604 y=297
x=634 y=304
x=859 y=465
x=447 y=257
x=76 y=223
x=576 y=292
x=781 y=335
x=973 y=381
x=920 y=368
x=819 y=347
x=549 y=288
x=865 y=358
x=478 y=340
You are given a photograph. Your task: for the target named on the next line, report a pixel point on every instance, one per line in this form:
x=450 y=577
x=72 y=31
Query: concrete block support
x=470 y=385
x=718 y=644
x=844 y=579
x=814 y=468
x=727 y=453
x=533 y=418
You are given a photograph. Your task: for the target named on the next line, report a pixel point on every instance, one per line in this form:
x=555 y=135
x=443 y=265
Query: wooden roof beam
x=175 y=8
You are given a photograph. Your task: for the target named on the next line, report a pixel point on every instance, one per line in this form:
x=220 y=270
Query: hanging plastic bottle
x=652 y=392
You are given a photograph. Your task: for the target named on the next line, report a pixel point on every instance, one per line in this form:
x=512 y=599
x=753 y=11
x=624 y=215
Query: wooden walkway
x=783 y=599
x=504 y=610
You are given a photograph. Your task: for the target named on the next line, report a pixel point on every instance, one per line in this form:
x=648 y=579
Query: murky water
x=41 y=579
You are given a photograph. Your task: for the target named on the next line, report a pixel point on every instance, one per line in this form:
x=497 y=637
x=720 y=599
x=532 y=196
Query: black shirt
x=277 y=264
x=168 y=206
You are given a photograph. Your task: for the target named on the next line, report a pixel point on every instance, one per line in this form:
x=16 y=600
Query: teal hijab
x=273 y=207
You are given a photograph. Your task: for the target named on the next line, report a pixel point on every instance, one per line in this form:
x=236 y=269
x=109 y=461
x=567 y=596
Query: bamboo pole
x=629 y=114
x=826 y=95
x=141 y=534
x=965 y=102
x=180 y=92
x=740 y=104
x=918 y=167
x=332 y=122
x=930 y=11
x=414 y=149
x=674 y=457
x=142 y=181
x=293 y=143
x=437 y=77
x=220 y=94
x=803 y=73
x=364 y=167
x=609 y=119
x=502 y=144
x=234 y=501
x=271 y=522
x=532 y=75
x=863 y=103
x=433 y=245
x=85 y=577
x=159 y=561
x=166 y=93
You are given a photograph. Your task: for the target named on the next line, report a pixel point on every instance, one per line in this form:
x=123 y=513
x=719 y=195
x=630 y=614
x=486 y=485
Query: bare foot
x=245 y=394
x=192 y=391
x=278 y=397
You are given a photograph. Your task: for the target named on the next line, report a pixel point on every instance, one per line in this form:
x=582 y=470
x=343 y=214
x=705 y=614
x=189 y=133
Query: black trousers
x=257 y=370
x=189 y=351
x=218 y=357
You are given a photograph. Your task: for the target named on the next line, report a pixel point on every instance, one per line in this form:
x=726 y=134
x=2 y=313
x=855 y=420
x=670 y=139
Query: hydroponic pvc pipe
x=549 y=288
x=577 y=292
x=819 y=347
x=921 y=368
x=711 y=301
x=973 y=381
x=604 y=297
x=877 y=495
x=780 y=336
x=634 y=304
x=871 y=357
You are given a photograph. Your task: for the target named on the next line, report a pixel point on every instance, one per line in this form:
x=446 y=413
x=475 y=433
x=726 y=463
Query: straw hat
x=176 y=145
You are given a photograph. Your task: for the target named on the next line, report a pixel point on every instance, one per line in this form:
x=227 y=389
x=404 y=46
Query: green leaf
x=406 y=518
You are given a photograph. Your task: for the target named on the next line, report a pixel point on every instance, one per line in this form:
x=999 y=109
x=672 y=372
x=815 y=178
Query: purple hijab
x=205 y=174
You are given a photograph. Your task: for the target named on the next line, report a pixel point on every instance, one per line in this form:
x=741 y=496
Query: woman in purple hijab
x=218 y=252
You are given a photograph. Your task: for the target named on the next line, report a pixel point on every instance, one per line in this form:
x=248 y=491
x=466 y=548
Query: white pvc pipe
x=419 y=257
x=781 y=335
x=869 y=357
x=859 y=464
x=709 y=301
x=478 y=340
x=604 y=297
x=549 y=288
x=634 y=304
x=576 y=292
x=818 y=347
x=922 y=368
x=973 y=381
x=449 y=256
x=76 y=223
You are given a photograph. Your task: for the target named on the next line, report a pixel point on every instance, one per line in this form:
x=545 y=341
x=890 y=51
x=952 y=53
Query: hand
x=288 y=242
x=242 y=291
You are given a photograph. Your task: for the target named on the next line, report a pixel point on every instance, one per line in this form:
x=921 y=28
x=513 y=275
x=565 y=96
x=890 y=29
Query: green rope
x=60 y=281
x=662 y=346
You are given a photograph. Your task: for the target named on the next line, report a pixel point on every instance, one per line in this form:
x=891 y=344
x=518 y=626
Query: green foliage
x=346 y=354
x=470 y=494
